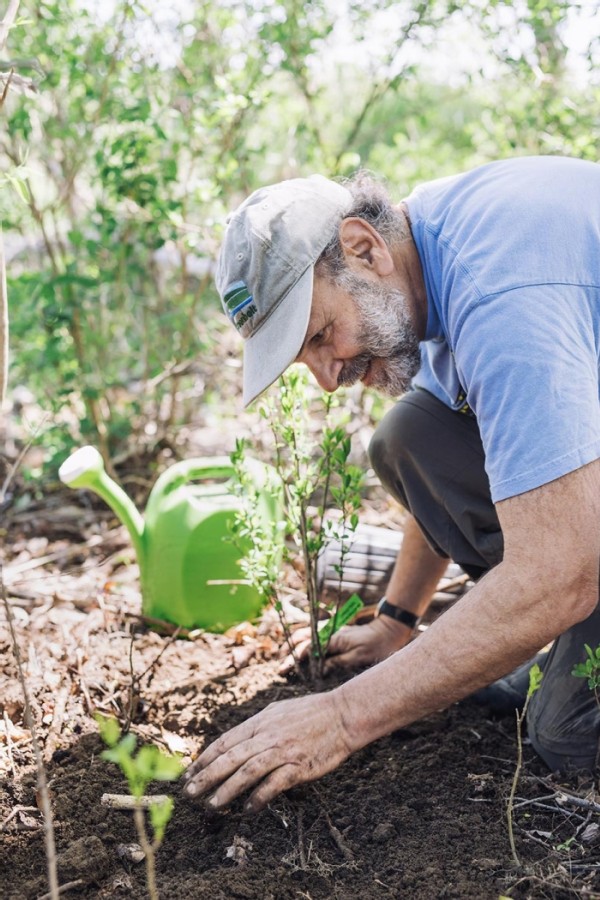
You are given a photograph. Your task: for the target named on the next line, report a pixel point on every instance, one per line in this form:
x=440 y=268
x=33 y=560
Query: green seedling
x=148 y=764
x=535 y=680
x=341 y=617
x=590 y=669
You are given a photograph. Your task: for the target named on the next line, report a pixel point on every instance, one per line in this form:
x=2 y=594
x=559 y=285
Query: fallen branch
x=573 y=800
x=63 y=889
x=126 y=801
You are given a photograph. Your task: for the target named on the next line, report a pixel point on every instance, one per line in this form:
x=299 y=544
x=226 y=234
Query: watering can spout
x=85 y=469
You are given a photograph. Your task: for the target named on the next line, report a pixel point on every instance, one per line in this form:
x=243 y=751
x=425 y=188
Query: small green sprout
x=148 y=764
x=589 y=669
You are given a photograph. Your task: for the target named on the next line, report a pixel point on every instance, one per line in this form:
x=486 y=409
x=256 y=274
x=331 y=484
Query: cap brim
x=276 y=344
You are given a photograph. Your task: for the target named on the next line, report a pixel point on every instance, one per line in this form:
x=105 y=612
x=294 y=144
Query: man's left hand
x=288 y=743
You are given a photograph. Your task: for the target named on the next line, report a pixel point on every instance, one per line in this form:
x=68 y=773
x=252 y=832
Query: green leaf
x=535 y=679
x=145 y=762
x=167 y=768
x=160 y=815
x=109 y=728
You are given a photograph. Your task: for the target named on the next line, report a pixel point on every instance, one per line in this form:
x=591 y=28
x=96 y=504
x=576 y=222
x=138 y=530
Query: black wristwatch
x=395 y=612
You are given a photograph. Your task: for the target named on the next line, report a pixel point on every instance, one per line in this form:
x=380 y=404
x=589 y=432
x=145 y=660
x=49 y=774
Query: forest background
x=130 y=129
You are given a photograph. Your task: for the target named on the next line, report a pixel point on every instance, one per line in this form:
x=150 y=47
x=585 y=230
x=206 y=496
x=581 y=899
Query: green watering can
x=189 y=568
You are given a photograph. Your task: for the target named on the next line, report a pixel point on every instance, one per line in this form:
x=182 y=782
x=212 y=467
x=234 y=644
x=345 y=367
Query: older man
x=478 y=300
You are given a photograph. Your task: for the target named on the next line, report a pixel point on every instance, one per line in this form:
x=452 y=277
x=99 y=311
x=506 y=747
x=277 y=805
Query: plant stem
x=513 y=788
x=148 y=848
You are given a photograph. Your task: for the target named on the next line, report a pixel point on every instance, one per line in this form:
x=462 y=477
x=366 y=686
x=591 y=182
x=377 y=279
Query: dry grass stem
x=126 y=801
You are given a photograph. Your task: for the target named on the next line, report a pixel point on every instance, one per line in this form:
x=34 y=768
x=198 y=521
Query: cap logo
x=239 y=303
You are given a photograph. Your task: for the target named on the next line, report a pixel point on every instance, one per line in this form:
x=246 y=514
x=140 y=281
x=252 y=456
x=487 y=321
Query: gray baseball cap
x=265 y=270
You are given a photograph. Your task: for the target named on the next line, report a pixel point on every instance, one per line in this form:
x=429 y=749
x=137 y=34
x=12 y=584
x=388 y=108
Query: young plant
x=535 y=680
x=148 y=764
x=590 y=669
x=314 y=475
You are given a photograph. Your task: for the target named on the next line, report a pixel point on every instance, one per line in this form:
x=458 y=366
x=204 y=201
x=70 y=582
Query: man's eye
x=318 y=337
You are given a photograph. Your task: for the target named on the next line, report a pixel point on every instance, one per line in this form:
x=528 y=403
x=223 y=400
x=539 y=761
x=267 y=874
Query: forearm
x=499 y=624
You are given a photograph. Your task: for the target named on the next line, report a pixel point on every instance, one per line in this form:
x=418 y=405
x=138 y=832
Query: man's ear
x=364 y=248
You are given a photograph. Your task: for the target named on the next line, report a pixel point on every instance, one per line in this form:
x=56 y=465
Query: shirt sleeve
x=528 y=360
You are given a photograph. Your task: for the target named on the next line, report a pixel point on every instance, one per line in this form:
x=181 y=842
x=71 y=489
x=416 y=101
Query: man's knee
x=392 y=441
x=407 y=441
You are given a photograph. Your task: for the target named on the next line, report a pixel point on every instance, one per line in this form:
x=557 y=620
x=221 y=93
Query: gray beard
x=387 y=334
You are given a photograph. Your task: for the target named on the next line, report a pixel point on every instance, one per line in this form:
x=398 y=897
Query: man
x=480 y=293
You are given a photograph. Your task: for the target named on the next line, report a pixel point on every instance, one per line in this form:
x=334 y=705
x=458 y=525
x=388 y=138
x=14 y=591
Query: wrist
x=397 y=614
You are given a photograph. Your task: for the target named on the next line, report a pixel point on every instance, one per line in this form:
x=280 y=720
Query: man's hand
x=354 y=646
x=288 y=743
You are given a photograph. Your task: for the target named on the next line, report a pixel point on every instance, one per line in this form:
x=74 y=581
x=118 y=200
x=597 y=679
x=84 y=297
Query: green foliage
x=147 y=128
x=149 y=764
x=257 y=537
x=589 y=669
x=535 y=680
x=315 y=476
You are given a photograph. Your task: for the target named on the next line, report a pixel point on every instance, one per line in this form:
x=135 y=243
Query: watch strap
x=396 y=612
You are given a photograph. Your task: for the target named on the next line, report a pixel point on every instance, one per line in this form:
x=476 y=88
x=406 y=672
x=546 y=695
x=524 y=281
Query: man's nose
x=326 y=370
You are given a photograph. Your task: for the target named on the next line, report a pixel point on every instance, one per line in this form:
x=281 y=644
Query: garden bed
x=419 y=814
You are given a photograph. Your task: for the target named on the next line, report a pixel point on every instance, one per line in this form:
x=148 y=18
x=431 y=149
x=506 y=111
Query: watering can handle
x=203 y=469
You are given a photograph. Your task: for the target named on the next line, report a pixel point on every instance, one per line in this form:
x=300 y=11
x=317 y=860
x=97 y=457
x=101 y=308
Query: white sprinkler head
x=83 y=461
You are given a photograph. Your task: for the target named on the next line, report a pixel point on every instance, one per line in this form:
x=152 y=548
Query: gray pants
x=431 y=460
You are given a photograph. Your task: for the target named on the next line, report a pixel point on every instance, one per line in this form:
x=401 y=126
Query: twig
x=513 y=788
x=63 y=889
x=149 y=852
x=534 y=800
x=335 y=832
x=42 y=780
x=126 y=801
x=18 y=809
x=136 y=680
x=301 y=851
x=573 y=800
x=7 y=84
x=9 y=746
x=3 y=304
x=340 y=843
x=13 y=470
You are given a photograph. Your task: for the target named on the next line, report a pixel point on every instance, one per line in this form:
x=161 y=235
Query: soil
x=419 y=814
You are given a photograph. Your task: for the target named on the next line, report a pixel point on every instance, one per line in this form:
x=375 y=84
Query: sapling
x=307 y=468
x=590 y=669
x=535 y=680
x=148 y=764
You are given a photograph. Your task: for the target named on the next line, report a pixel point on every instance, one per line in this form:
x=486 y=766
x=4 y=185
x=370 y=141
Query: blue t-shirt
x=511 y=261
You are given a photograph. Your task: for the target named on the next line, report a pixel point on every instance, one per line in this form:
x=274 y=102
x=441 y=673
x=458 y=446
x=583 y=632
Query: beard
x=387 y=334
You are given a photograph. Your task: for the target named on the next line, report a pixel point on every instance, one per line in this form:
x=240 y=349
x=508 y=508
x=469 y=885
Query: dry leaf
x=238 y=851
x=175 y=742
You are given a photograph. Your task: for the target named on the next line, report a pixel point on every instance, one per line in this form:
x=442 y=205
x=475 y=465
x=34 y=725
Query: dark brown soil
x=419 y=814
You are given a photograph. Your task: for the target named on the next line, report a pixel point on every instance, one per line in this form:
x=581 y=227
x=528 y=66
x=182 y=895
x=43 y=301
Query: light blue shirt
x=511 y=261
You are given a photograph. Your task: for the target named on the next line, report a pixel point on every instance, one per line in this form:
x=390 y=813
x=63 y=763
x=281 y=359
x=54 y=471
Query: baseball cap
x=265 y=270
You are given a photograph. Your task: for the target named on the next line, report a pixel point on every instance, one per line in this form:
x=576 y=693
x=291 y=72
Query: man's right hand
x=354 y=646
